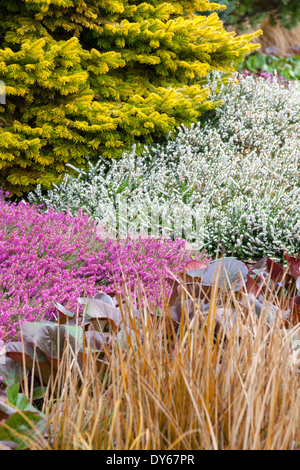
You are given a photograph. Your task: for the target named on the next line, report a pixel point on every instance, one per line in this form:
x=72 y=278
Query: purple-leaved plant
x=54 y=256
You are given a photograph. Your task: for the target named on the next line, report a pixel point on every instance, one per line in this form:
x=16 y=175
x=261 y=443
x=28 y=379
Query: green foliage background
x=287 y=67
x=284 y=12
x=85 y=78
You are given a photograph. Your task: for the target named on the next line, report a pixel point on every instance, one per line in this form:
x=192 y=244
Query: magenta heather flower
x=267 y=76
x=54 y=256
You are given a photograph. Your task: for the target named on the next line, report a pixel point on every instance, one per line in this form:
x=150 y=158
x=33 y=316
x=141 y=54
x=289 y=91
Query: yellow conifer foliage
x=89 y=78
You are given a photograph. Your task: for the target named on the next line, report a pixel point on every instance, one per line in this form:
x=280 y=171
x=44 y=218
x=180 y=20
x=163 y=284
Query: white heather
x=237 y=169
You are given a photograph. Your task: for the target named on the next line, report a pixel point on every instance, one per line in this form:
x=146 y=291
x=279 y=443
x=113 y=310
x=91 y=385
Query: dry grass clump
x=280 y=37
x=222 y=378
x=276 y=36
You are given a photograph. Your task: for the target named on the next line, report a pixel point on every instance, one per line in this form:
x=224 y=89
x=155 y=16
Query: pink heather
x=54 y=256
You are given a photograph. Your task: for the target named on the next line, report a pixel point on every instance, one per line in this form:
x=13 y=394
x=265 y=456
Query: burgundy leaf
x=96 y=308
x=277 y=273
x=294 y=265
x=195 y=265
x=29 y=354
x=95 y=339
x=63 y=313
x=252 y=287
x=228 y=272
x=294 y=304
